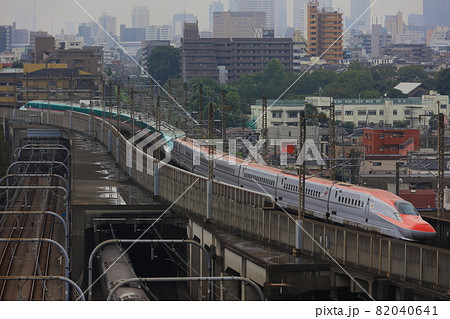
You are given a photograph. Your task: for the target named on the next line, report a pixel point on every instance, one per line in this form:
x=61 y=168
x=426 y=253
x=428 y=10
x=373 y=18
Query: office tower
x=361 y=19
x=415 y=20
x=108 y=23
x=214 y=7
x=325 y=29
x=178 y=22
x=233 y=5
x=267 y=6
x=5 y=38
x=132 y=34
x=140 y=17
x=280 y=12
x=395 y=26
x=435 y=13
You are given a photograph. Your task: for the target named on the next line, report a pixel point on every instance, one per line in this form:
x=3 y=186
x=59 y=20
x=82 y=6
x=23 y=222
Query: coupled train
x=369 y=209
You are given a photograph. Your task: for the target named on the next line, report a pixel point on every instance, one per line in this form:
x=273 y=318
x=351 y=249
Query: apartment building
x=227 y=59
x=325 y=28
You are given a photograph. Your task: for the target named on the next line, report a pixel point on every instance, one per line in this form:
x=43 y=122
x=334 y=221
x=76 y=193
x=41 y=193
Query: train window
x=353 y=202
x=339 y=199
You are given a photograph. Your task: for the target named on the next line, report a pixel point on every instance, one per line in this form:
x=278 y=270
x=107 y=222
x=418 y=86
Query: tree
x=443 y=82
x=394 y=93
x=18 y=65
x=412 y=73
x=311 y=110
x=164 y=63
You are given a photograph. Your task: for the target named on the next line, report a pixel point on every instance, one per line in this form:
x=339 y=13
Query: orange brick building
x=325 y=28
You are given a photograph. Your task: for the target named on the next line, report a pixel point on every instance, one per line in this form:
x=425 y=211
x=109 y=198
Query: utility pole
x=200 y=108
x=26 y=81
x=209 y=184
x=441 y=160
x=119 y=107
x=441 y=185
x=185 y=96
x=301 y=166
x=332 y=134
x=132 y=110
x=224 y=121
x=301 y=184
x=110 y=101
x=210 y=138
x=264 y=127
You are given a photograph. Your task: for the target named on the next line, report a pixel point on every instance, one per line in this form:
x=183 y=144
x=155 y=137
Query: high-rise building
x=233 y=24
x=415 y=20
x=233 y=5
x=214 y=7
x=361 y=19
x=85 y=31
x=325 y=28
x=435 y=13
x=159 y=32
x=178 y=22
x=300 y=16
x=280 y=13
x=267 y=6
x=132 y=34
x=19 y=36
x=395 y=26
x=5 y=38
x=108 y=23
x=379 y=40
x=140 y=17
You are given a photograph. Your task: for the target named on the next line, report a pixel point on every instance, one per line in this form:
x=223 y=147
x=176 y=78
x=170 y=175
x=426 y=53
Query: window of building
x=349 y=113
x=381 y=112
x=276 y=115
x=395 y=112
x=376 y=163
x=362 y=112
x=407 y=112
x=338 y=113
x=292 y=115
x=372 y=112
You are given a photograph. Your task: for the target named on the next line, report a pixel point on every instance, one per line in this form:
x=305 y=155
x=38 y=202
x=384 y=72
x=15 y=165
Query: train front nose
x=423 y=231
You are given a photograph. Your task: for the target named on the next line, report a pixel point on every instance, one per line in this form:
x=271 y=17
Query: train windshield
x=406 y=208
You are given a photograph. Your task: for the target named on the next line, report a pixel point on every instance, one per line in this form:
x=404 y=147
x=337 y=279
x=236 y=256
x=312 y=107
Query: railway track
x=31 y=259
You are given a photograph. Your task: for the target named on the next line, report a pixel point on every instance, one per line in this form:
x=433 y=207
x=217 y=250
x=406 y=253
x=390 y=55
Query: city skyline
x=63 y=11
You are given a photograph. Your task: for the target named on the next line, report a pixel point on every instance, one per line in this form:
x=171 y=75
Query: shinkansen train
x=374 y=210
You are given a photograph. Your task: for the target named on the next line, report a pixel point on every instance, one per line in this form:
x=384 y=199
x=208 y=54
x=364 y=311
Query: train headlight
x=397 y=215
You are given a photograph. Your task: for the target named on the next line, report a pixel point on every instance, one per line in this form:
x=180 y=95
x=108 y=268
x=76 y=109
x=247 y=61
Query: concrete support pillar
x=117 y=150
x=48 y=118
x=109 y=141
x=70 y=120
x=156 y=179
x=90 y=126
x=298 y=235
x=102 y=140
x=209 y=200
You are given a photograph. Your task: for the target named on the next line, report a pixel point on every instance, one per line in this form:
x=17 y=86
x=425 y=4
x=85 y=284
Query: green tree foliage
x=412 y=73
x=164 y=63
x=443 y=82
x=311 y=113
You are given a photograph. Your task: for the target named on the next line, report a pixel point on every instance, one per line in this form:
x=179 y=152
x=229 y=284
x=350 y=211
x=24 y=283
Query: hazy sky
x=161 y=11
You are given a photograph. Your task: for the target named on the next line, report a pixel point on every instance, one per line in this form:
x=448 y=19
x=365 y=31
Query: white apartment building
x=362 y=112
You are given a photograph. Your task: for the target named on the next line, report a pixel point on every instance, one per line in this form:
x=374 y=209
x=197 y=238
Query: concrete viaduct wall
x=244 y=211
